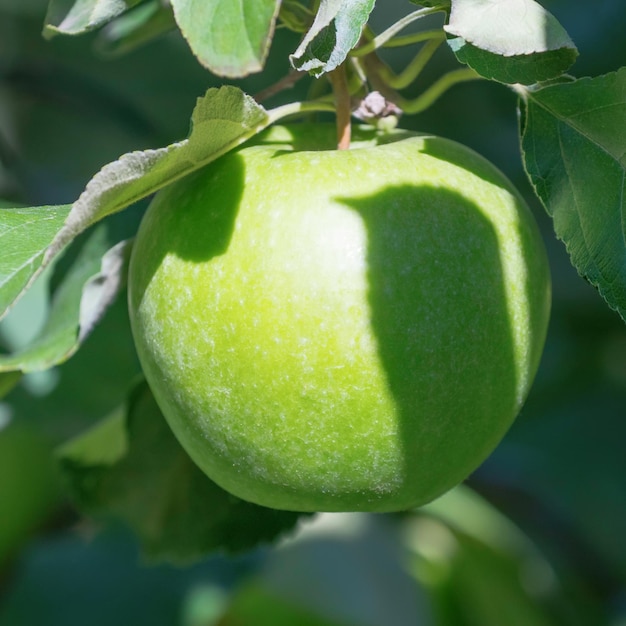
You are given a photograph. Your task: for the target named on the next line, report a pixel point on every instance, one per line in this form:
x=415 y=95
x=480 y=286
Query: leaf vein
x=566 y=120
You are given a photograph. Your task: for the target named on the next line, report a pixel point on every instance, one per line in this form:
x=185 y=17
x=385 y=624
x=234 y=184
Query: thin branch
x=343 y=104
x=286 y=82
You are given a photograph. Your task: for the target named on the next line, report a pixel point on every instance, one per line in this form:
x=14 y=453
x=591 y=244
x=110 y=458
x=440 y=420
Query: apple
x=346 y=330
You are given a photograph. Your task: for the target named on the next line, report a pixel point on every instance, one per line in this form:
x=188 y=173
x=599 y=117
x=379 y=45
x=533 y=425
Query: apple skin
x=340 y=330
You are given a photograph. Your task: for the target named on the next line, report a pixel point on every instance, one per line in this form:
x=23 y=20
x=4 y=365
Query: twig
x=343 y=103
x=286 y=82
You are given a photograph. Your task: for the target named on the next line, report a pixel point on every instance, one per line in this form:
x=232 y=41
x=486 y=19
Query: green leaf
x=474 y=561
x=8 y=380
x=24 y=236
x=87 y=290
x=76 y=17
x=335 y=31
x=229 y=38
x=34 y=237
x=135 y=28
x=135 y=470
x=103 y=445
x=511 y=41
x=295 y=16
x=574 y=148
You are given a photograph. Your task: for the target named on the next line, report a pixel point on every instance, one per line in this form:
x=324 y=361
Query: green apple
x=340 y=330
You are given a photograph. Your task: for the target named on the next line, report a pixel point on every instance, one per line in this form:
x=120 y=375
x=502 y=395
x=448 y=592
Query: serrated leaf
x=511 y=41
x=25 y=233
x=574 y=148
x=76 y=17
x=177 y=512
x=230 y=38
x=87 y=290
x=221 y=120
x=335 y=31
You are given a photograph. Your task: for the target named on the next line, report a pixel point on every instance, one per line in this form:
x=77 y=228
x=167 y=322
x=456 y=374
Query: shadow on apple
x=439 y=314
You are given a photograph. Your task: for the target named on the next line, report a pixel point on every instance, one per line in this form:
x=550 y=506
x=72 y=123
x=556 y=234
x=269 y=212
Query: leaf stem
x=437 y=89
x=296 y=108
x=408 y=40
x=415 y=67
x=341 y=91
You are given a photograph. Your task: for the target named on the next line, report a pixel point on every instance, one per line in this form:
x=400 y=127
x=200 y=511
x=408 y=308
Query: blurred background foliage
x=535 y=537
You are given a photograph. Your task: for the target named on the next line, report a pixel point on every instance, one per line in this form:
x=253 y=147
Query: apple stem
x=343 y=106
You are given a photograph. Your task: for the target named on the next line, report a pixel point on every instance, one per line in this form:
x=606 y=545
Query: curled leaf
x=335 y=31
x=76 y=17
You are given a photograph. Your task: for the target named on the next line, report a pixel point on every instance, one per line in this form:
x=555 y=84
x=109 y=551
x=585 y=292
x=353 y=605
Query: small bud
x=375 y=107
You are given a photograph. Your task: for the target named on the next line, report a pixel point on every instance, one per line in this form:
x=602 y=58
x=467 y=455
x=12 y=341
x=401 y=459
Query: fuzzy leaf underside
x=76 y=17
